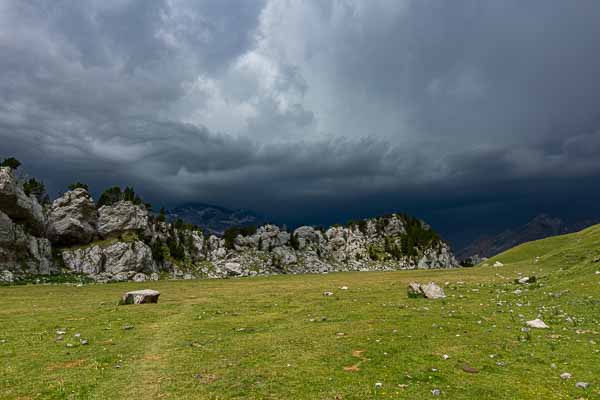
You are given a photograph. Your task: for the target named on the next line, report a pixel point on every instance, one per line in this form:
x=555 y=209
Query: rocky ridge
x=122 y=241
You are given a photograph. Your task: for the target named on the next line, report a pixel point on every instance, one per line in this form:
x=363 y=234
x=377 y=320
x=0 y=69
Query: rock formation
x=24 y=249
x=73 y=218
x=122 y=241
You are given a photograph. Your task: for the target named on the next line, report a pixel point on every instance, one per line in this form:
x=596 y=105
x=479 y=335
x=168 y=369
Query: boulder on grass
x=414 y=290
x=145 y=296
x=428 y=291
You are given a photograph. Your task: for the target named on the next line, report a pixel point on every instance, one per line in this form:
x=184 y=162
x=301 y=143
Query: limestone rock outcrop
x=112 y=260
x=122 y=241
x=22 y=253
x=73 y=218
x=121 y=217
x=22 y=209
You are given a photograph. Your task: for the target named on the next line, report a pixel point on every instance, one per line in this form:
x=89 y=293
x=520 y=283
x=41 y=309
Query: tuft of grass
x=278 y=337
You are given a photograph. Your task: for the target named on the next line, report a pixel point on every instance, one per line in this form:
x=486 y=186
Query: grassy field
x=280 y=338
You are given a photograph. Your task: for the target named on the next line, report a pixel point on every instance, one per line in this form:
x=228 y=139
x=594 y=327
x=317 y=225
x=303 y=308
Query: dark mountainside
x=214 y=219
x=540 y=227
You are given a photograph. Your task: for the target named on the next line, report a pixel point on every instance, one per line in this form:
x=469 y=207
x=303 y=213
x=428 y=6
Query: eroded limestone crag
x=124 y=241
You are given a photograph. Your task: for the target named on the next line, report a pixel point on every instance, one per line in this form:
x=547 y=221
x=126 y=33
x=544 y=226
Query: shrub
x=114 y=194
x=11 y=162
x=37 y=189
x=231 y=233
x=78 y=185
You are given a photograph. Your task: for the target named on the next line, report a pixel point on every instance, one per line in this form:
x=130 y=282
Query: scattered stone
x=582 y=385
x=84 y=342
x=127 y=327
x=139 y=277
x=61 y=331
x=327 y=293
x=498 y=264
x=525 y=280
x=467 y=368
x=501 y=363
x=340 y=334
x=378 y=385
x=445 y=356
x=537 y=323
x=145 y=296
x=436 y=392
x=344 y=288
x=565 y=376
x=553 y=366
x=77 y=335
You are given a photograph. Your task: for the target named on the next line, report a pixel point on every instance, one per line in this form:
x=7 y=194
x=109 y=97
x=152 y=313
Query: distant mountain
x=214 y=219
x=540 y=227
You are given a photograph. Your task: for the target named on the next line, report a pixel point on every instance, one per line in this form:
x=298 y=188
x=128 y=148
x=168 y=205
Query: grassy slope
x=253 y=338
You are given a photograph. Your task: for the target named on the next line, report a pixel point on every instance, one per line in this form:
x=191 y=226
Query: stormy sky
x=472 y=114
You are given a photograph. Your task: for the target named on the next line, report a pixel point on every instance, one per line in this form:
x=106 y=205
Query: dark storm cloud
x=302 y=108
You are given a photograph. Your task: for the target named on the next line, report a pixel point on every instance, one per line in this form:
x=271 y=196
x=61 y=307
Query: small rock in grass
x=378 y=385
x=467 y=368
x=344 y=288
x=61 y=331
x=498 y=264
x=565 y=376
x=340 y=334
x=553 y=366
x=526 y=279
x=537 y=323
x=501 y=363
x=69 y=345
x=327 y=293
x=582 y=385
x=436 y=392
x=84 y=342
x=77 y=335
x=127 y=327
x=445 y=356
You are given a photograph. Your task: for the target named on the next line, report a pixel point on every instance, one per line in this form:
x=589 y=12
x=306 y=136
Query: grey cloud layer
x=303 y=100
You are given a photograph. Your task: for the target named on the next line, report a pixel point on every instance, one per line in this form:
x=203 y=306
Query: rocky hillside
x=214 y=219
x=540 y=227
x=121 y=241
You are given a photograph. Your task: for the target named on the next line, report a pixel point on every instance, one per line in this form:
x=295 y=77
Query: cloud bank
x=308 y=110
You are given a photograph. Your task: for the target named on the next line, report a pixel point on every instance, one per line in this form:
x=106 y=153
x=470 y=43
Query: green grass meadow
x=279 y=338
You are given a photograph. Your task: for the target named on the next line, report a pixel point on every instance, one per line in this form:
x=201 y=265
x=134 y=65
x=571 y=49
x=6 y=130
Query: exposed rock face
x=22 y=209
x=73 y=218
x=22 y=253
x=121 y=217
x=112 y=260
